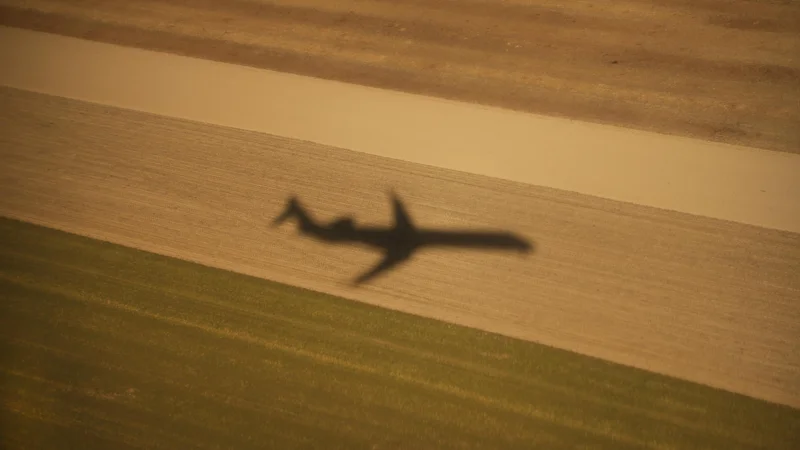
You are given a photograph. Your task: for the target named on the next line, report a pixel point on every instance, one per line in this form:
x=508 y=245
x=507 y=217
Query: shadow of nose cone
x=527 y=247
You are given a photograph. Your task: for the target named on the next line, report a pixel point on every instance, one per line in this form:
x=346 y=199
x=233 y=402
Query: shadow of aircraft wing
x=390 y=260
x=402 y=221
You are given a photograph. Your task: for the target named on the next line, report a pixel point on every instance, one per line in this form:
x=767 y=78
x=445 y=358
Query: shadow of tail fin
x=292 y=209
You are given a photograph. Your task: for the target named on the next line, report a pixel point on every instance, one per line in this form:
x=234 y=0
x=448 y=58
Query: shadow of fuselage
x=400 y=241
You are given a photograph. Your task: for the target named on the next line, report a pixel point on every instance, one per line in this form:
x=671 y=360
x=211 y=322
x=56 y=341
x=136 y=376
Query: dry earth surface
x=701 y=299
x=676 y=173
x=724 y=70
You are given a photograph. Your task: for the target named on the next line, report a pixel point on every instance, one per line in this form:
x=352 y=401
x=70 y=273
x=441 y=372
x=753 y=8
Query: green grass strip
x=103 y=346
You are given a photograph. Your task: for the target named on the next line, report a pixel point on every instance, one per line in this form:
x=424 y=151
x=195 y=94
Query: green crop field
x=104 y=346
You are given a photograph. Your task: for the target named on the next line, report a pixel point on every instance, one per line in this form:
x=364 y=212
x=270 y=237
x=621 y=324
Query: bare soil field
x=706 y=300
x=710 y=179
x=724 y=70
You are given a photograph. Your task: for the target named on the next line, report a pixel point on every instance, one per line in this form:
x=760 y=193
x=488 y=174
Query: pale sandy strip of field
x=746 y=185
x=706 y=300
x=635 y=63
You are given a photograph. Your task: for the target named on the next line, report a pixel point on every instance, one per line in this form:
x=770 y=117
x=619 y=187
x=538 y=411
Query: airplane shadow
x=400 y=241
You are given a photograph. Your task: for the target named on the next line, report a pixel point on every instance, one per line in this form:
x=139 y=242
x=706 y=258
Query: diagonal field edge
x=751 y=186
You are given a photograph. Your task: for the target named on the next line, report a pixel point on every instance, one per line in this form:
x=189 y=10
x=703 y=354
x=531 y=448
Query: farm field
x=646 y=150
x=723 y=70
x=107 y=346
x=705 y=300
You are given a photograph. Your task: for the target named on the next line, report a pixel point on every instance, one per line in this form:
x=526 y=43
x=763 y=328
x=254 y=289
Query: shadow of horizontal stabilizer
x=401 y=240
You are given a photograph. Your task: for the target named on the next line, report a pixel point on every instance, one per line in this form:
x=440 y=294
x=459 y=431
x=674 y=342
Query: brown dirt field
x=713 y=69
x=709 y=301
